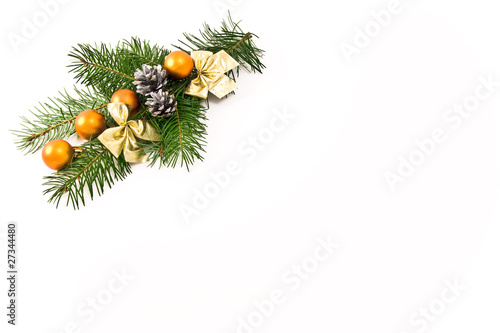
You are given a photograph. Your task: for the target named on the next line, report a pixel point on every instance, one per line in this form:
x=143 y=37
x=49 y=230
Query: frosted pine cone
x=161 y=104
x=150 y=79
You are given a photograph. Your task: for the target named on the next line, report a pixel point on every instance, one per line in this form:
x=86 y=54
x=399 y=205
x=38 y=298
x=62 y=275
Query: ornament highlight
x=211 y=68
x=128 y=97
x=178 y=65
x=57 y=154
x=124 y=136
x=90 y=124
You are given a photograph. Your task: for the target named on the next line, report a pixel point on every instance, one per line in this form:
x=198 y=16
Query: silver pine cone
x=161 y=104
x=150 y=79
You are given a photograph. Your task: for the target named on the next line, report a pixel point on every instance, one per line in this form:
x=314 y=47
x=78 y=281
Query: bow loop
x=120 y=113
x=211 y=74
x=124 y=136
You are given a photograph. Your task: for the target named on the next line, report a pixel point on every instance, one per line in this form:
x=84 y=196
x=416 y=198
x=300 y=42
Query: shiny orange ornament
x=129 y=97
x=90 y=124
x=56 y=154
x=178 y=65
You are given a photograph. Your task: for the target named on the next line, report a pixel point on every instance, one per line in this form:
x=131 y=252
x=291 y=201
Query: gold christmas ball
x=129 y=97
x=90 y=124
x=56 y=154
x=178 y=65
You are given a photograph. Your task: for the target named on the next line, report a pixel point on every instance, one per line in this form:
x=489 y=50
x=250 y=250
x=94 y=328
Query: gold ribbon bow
x=211 y=68
x=123 y=137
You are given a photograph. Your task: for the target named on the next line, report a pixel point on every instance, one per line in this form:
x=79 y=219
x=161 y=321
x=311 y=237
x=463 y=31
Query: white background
x=323 y=175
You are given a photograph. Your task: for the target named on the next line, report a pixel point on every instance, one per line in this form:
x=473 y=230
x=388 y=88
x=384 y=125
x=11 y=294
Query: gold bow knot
x=211 y=74
x=124 y=136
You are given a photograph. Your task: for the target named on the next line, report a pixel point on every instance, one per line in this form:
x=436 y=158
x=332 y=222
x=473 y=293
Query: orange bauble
x=129 y=97
x=178 y=65
x=90 y=124
x=56 y=154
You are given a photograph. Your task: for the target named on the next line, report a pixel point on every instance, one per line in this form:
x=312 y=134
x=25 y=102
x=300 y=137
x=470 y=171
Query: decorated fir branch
x=141 y=103
x=230 y=38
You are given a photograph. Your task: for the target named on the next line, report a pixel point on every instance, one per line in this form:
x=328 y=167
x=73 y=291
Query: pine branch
x=247 y=36
x=183 y=135
x=102 y=67
x=178 y=87
x=54 y=120
x=231 y=38
x=34 y=136
x=90 y=172
x=141 y=52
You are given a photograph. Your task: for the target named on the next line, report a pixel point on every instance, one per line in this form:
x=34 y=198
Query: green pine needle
x=101 y=67
x=183 y=135
x=141 y=52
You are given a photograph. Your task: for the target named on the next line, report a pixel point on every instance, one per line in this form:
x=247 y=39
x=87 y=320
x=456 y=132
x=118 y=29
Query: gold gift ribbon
x=124 y=137
x=211 y=68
